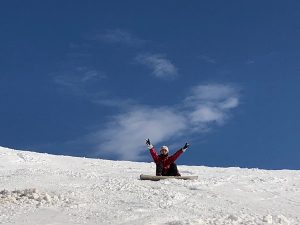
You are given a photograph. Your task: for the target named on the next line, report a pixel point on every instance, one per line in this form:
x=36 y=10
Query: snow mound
x=31 y=196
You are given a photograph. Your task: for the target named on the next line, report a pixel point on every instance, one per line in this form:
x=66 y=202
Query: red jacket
x=167 y=160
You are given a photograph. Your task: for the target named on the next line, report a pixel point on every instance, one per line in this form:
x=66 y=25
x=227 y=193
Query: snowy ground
x=45 y=189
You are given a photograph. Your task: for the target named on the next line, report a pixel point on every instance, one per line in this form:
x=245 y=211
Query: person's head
x=164 y=150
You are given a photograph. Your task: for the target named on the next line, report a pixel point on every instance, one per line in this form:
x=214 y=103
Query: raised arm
x=152 y=150
x=178 y=153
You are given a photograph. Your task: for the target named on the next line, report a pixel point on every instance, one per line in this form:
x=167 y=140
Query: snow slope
x=40 y=189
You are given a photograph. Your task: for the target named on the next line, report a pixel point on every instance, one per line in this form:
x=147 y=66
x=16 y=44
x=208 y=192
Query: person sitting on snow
x=165 y=164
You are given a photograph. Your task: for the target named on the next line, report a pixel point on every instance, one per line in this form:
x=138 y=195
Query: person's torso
x=165 y=161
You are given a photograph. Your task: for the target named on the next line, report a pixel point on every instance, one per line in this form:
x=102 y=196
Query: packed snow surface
x=41 y=189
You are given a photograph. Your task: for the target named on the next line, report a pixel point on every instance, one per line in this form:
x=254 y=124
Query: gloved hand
x=185 y=147
x=148 y=143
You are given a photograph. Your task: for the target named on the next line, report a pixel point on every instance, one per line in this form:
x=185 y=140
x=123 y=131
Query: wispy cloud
x=204 y=107
x=86 y=82
x=78 y=76
x=79 y=45
x=161 y=66
x=78 y=80
x=118 y=36
x=207 y=59
x=248 y=62
x=112 y=101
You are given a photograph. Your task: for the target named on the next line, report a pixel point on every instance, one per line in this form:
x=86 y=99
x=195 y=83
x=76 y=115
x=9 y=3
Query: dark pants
x=172 y=171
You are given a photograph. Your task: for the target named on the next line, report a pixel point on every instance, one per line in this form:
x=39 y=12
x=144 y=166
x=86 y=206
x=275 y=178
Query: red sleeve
x=173 y=157
x=154 y=154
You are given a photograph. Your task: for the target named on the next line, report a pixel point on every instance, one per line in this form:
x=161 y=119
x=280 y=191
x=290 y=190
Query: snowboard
x=157 y=178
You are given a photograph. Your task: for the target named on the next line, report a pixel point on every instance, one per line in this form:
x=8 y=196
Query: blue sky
x=96 y=78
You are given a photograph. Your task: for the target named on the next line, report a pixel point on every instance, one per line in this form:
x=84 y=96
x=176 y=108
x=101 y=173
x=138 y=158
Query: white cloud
x=230 y=102
x=119 y=36
x=161 y=66
x=211 y=102
x=124 y=135
x=211 y=92
x=205 y=114
x=206 y=105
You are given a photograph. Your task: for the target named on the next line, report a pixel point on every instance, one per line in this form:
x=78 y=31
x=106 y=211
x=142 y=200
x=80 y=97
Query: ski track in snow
x=40 y=188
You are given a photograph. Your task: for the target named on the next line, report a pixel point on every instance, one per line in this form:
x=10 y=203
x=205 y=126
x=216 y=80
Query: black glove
x=185 y=146
x=148 y=143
